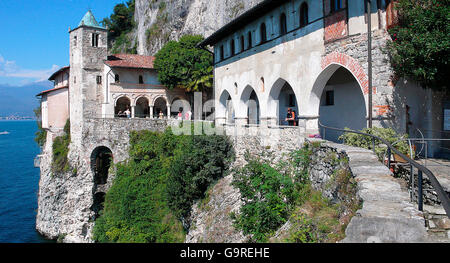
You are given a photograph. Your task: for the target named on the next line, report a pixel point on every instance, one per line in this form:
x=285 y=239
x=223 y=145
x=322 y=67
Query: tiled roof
x=53 y=76
x=130 y=61
x=50 y=90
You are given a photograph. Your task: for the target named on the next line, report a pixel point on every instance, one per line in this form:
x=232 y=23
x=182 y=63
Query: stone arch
x=179 y=102
x=161 y=107
x=249 y=106
x=328 y=69
x=225 y=111
x=337 y=98
x=281 y=97
x=142 y=107
x=121 y=104
x=101 y=159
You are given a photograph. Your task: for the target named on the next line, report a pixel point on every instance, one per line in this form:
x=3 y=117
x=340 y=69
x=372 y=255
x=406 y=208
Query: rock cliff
x=160 y=21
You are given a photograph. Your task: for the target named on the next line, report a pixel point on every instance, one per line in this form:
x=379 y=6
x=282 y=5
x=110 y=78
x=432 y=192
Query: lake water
x=19 y=182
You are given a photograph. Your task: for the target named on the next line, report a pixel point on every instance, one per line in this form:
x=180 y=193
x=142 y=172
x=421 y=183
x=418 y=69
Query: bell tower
x=88 y=50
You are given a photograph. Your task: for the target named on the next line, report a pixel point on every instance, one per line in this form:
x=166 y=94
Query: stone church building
x=311 y=56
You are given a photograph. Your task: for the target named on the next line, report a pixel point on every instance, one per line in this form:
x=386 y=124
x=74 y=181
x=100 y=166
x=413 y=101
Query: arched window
x=304 y=14
x=249 y=40
x=283 y=24
x=232 y=47
x=336 y=5
x=263 y=33
x=242 y=44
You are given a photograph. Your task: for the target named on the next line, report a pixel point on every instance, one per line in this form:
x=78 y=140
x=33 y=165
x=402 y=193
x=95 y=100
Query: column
x=132 y=111
x=168 y=111
x=151 y=111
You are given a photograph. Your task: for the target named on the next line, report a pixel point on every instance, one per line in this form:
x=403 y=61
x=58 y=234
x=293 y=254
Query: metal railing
x=442 y=195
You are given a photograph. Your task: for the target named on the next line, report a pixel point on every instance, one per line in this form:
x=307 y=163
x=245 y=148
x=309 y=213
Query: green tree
x=119 y=24
x=180 y=64
x=421 y=42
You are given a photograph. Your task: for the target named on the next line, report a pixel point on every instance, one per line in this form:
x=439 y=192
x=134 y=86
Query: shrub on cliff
x=154 y=191
x=60 y=163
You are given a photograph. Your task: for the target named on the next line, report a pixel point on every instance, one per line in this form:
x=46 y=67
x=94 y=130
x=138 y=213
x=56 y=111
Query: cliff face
x=160 y=21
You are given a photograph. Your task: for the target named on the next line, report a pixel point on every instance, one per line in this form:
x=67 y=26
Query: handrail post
x=411 y=181
x=389 y=157
x=420 y=190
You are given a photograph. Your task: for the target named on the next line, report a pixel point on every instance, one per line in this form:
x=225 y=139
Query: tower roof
x=89 y=20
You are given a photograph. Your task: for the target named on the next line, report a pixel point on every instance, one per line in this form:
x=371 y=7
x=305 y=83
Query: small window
x=75 y=40
x=263 y=33
x=221 y=53
x=249 y=40
x=336 y=5
x=242 y=44
x=283 y=24
x=117 y=78
x=329 y=96
x=95 y=38
x=141 y=79
x=99 y=79
x=74 y=79
x=232 y=47
x=304 y=15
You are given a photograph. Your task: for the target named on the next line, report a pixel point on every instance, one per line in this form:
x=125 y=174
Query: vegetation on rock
x=60 y=163
x=274 y=195
x=153 y=191
x=119 y=25
x=41 y=134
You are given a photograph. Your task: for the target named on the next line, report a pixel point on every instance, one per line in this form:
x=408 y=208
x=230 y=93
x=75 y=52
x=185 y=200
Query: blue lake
x=19 y=182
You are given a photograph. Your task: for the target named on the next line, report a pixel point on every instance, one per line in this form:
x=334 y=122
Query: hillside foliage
x=120 y=24
x=153 y=191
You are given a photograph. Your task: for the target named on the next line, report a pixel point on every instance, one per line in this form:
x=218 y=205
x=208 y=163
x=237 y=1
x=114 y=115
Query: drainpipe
x=369 y=57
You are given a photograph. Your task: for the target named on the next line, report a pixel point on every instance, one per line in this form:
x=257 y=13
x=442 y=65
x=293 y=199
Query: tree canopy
x=119 y=24
x=181 y=64
x=421 y=42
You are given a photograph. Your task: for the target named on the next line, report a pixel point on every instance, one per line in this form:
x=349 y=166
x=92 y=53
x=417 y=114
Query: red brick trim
x=352 y=65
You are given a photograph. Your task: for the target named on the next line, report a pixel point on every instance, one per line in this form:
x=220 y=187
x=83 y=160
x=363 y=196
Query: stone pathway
x=387 y=215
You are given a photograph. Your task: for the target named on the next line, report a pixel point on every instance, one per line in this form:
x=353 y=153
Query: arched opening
x=101 y=159
x=304 y=14
x=283 y=103
x=142 y=109
x=250 y=103
x=342 y=104
x=160 y=108
x=123 y=107
x=226 y=109
x=180 y=105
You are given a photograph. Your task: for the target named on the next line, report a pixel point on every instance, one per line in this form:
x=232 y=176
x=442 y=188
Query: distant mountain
x=21 y=100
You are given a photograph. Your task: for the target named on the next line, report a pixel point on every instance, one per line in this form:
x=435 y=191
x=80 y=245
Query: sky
x=34 y=38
